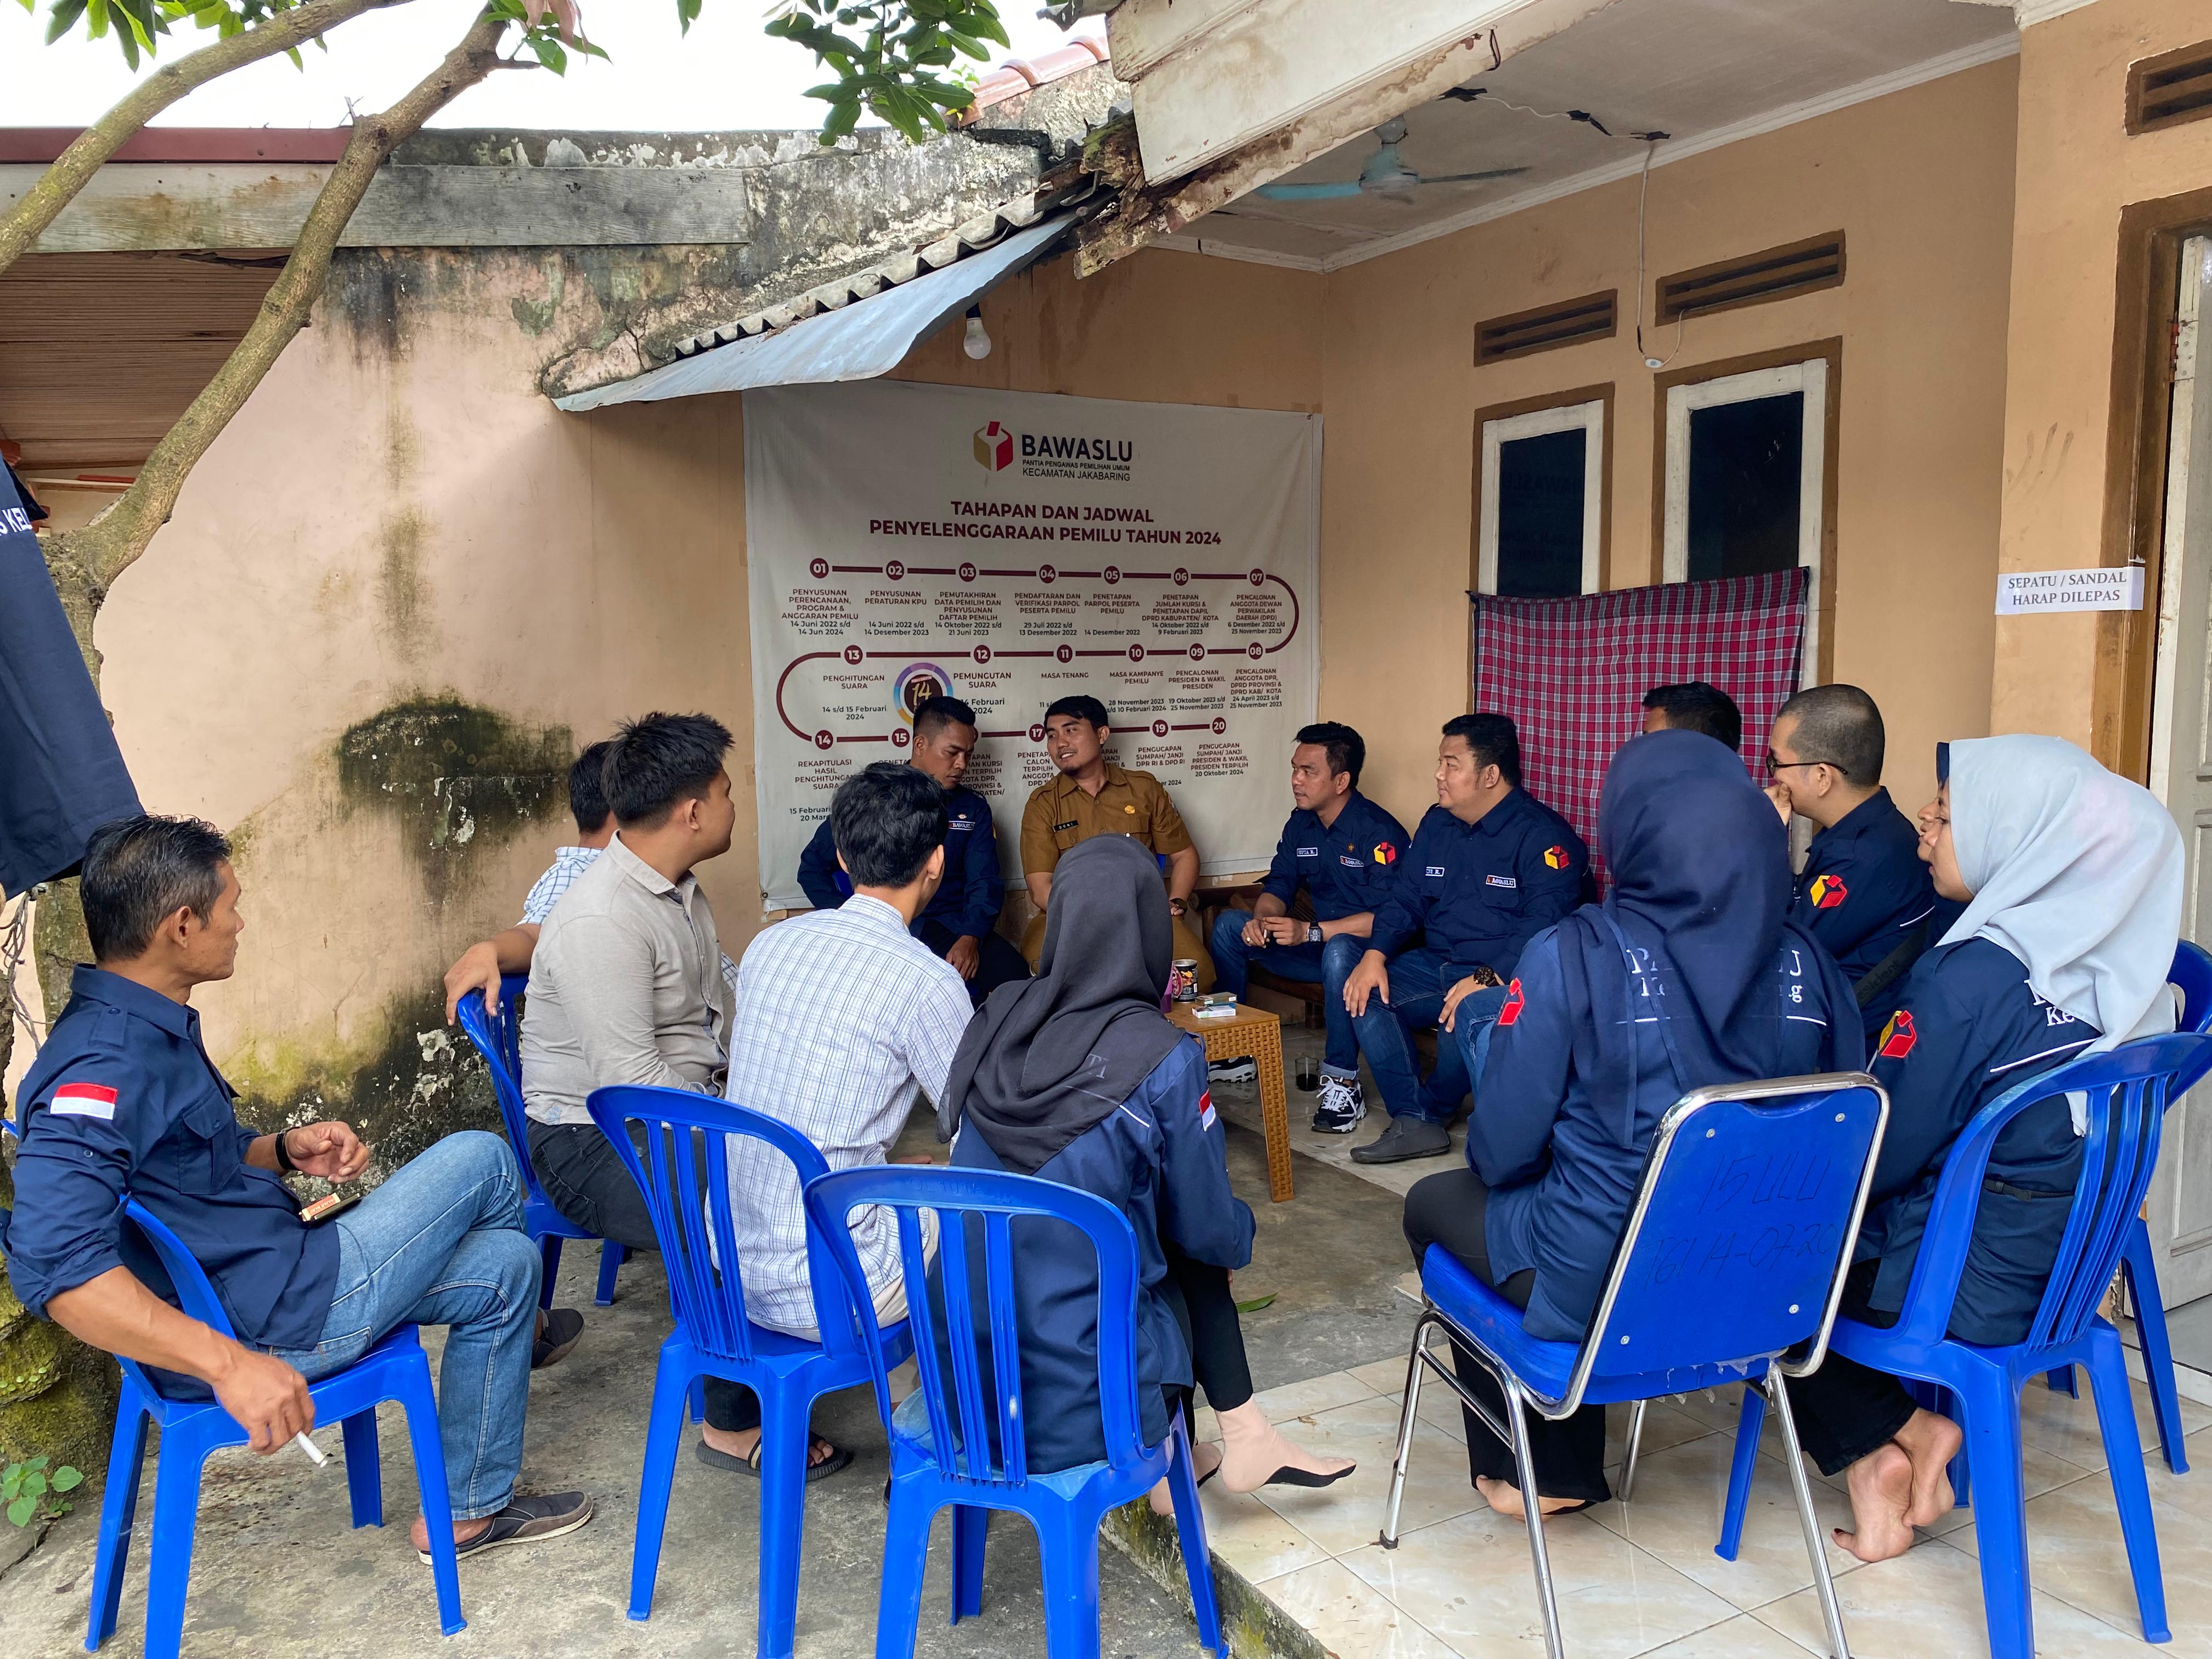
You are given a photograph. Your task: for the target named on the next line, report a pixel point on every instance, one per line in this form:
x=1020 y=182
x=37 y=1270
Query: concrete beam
x=142 y=207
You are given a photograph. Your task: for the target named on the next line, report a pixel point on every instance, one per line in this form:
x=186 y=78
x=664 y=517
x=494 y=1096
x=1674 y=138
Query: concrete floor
x=278 y=1570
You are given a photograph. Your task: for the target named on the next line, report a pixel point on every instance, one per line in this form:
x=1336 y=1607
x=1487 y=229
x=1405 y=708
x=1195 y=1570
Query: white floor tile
x=2067 y=1427
x=1317 y=1394
x=1740 y=1638
x=1348 y=1515
x=1350 y=1618
x=1252 y=1538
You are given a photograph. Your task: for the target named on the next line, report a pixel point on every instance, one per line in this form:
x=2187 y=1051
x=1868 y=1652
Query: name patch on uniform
x=1556 y=857
x=1309 y=852
x=1206 y=1115
x=1501 y=881
x=1070 y=824
x=82 y=1100
x=1897 y=1037
x=1350 y=864
x=1515 y=1002
x=1826 y=892
x=1434 y=870
x=960 y=823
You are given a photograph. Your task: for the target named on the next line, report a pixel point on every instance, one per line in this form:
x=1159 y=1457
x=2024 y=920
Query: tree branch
x=110 y=544
x=73 y=169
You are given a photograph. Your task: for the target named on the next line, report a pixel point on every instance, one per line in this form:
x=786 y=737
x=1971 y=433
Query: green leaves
x=886 y=54
x=28 y=1492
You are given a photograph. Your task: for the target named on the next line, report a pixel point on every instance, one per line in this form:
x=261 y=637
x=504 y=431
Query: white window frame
x=1809 y=377
x=1587 y=418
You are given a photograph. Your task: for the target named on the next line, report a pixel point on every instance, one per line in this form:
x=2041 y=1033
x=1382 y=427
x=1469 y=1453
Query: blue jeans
x=1328 y=964
x=441 y=1242
x=1419 y=980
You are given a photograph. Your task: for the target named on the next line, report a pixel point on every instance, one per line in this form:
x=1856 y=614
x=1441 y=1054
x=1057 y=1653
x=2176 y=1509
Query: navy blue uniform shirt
x=1347 y=867
x=1563 y=1165
x=123 y=1098
x=1481 y=891
x=1967 y=1028
x=1863 y=889
x=968 y=900
x=1160 y=1158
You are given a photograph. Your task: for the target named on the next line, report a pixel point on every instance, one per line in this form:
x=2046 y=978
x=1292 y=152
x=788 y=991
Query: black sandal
x=840 y=1457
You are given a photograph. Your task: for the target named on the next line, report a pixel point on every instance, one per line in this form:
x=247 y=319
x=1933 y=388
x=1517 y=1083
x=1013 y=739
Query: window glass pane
x=1539 y=515
x=1745 y=469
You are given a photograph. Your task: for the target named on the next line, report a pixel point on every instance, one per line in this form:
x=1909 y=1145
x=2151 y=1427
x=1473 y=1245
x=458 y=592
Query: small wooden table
x=1256 y=1032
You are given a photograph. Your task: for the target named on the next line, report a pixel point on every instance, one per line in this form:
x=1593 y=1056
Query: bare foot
x=1931 y=1441
x=1204 y=1458
x=1881 y=1485
x=1254 y=1455
x=1504 y=1498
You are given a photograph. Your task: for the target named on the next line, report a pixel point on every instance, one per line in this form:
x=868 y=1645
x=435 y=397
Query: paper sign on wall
x=1012 y=548
x=2101 y=587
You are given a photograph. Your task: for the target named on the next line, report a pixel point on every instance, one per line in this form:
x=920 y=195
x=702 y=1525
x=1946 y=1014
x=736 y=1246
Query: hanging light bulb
x=976 y=342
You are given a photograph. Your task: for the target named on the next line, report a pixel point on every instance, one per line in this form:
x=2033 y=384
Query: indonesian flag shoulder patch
x=1827 y=892
x=1206 y=1112
x=1897 y=1037
x=1556 y=857
x=1515 y=1002
x=84 y=1100
x=1385 y=853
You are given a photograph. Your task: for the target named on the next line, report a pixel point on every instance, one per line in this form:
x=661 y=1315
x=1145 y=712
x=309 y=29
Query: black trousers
x=1206 y=1309
x=582 y=1174
x=1844 y=1411
x=998 y=961
x=1448 y=1209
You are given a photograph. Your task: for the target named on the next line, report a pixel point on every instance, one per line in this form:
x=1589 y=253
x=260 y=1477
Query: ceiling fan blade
x=1309 y=192
x=1470 y=178
x=1384 y=164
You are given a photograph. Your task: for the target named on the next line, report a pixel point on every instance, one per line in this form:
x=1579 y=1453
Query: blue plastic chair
x=958 y=1440
x=395 y=1368
x=714 y=1337
x=499 y=1040
x=1729 y=1269
x=2190 y=974
x=2128 y=1090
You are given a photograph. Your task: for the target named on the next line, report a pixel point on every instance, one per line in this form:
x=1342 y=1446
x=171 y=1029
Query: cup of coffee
x=1308 y=1075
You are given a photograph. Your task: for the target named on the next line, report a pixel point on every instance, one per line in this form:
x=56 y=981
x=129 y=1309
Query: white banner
x=1011 y=548
x=2100 y=587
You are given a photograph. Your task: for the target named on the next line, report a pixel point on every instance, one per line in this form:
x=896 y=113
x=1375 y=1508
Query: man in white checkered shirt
x=510 y=950
x=841 y=1019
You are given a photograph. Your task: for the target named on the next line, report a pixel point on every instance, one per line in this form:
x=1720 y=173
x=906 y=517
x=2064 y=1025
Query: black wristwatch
x=284 y=1154
x=1314 y=935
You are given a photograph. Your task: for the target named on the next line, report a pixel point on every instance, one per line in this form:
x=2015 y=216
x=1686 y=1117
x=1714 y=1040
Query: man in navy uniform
x=1489 y=868
x=961 y=923
x=1345 y=851
x=123 y=1099
x=1864 y=893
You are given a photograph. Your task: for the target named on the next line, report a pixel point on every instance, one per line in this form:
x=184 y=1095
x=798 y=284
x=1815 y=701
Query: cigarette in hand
x=314 y=1452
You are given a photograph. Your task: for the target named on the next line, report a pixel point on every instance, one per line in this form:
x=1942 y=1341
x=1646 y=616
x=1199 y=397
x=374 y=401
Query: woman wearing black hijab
x=1688 y=974
x=1075 y=1076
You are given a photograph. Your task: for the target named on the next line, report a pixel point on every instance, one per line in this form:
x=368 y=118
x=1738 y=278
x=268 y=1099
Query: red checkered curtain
x=1572 y=672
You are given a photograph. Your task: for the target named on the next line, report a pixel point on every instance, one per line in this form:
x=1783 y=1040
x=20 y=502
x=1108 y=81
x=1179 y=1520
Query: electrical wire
x=15 y=947
x=1643 y=202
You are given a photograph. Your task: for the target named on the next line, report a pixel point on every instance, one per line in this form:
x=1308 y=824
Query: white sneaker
x=1343 y=1103
x=1242 y=1069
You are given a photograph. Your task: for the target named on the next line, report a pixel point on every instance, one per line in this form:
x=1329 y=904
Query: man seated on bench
x=962 y=922
x=1489 y=868
x=124 y=1099
x=1344 y=850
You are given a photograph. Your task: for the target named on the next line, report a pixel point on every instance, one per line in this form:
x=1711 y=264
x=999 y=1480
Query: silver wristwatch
x=1313 y=934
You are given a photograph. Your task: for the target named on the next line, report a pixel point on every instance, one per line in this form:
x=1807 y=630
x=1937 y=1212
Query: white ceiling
x=1702 y=70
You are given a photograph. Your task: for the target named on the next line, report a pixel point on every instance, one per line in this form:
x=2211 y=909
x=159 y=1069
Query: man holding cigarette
x=124 y=1099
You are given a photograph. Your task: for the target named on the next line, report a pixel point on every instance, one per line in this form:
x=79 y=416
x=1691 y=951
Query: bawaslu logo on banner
x=1008 y=548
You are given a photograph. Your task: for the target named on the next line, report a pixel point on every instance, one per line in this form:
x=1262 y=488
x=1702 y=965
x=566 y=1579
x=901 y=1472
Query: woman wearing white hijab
x=2072 y=883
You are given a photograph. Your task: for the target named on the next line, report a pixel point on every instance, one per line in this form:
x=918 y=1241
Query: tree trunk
x=51 y=1400
x=73 y=169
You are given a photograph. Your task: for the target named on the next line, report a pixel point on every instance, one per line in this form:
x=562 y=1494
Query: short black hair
x=655 y=763
x=1347 y=750
x=1493 y=740
x=1694 y=706
x=941 y=711
x=886 y=819
x=1081 y=707
x=140 y=871
x=1842 y=726
x=587 y=795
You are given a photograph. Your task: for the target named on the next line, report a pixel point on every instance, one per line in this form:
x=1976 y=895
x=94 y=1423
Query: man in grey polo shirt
x=625 y=984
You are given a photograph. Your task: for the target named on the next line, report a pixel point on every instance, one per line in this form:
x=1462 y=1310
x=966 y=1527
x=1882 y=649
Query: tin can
x=1182 y=979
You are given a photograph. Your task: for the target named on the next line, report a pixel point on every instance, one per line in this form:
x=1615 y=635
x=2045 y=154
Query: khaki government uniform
x=1060 y=813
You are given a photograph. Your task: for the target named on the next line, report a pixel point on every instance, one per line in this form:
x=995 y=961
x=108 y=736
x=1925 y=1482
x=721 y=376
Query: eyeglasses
x=1774 y=765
